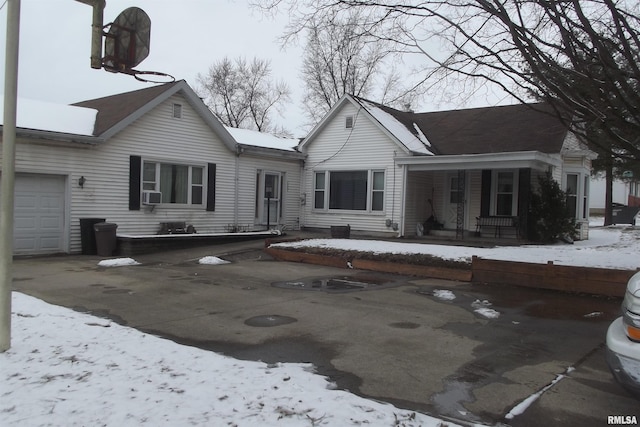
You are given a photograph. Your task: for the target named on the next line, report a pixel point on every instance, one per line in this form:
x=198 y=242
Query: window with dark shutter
x=135 y=165
x=211 y=187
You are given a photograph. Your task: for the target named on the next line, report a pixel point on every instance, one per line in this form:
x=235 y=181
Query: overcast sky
x=187 y=36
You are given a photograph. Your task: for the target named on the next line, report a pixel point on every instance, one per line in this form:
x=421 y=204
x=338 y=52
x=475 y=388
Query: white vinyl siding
x=250 y=204
x=106 y=170
x=364 y=147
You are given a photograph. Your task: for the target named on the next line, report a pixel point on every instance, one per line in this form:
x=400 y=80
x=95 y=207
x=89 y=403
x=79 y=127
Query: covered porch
x=445 y=196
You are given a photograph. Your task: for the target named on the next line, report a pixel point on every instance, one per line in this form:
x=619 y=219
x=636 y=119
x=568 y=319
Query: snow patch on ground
x=118 y=262
x=489 y=313
x=520 y=408
x=482 y=308
x=212 y=260
x=444 y=294
x=594 y=314
x=71 y=369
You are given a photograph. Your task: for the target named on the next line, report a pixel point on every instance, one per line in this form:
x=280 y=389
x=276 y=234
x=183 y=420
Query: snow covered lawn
x=72 y=369
x=608 y=247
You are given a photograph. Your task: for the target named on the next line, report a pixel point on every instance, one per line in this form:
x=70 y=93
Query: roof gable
x=116 y=112
x=409 y=142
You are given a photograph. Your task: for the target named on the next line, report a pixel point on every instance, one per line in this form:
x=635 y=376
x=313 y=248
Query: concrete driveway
x=394 y=341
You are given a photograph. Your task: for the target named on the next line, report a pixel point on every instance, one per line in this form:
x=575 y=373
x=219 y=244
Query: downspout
x=304 y=199
x=393 y=193
x=403 y=198
x=236 y=190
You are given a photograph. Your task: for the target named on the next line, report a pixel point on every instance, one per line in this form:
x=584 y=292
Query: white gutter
x=519 y=159
x=276 y=153
x=58 y=136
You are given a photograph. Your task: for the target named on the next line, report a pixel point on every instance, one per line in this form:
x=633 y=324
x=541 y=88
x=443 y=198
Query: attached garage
x=39 y=221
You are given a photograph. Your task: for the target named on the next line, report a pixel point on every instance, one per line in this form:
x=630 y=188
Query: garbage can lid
x=104 y=226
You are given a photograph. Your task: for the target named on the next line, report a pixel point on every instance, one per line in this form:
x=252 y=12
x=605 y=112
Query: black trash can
x=105 y=238
x=88 y=235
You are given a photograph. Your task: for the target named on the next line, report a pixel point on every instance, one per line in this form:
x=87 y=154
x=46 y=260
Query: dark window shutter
x=524 y=199
x=485 y=193
x=135 y=167
x=211 y=187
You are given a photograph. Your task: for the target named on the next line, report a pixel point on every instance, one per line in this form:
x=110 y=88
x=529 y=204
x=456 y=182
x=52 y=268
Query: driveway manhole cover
x=269 y=320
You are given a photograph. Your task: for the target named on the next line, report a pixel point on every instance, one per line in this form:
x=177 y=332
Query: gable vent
x=348 y=122
x=177 y=111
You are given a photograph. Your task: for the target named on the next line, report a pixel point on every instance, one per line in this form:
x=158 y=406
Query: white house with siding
x=105 y=158
x=158 y=155
x=380 y=170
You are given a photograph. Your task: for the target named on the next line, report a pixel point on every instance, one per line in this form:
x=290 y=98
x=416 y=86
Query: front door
x=271 y=198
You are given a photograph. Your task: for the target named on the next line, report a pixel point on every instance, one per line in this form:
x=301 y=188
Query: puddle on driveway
x=404 y=325
x=450 y=401
x=268 y=320
x=340 y=284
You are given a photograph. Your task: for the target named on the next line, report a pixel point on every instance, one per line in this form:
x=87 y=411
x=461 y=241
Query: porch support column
x=461 y=190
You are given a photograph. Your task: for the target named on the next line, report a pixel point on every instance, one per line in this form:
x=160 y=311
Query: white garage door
x=39 y=224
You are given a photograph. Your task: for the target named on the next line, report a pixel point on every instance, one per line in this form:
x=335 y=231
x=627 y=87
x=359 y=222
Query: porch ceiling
x=516 y=160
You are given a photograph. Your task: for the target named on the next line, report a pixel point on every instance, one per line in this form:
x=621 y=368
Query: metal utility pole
x=96 y=31
x=8 y=171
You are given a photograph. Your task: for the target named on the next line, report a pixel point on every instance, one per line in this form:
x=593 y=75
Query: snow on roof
x=261 y=139
x=421 y=135
x=46 y=116
x=400 y=131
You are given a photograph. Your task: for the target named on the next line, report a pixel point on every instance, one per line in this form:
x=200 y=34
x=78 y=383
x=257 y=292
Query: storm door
x=271 y=196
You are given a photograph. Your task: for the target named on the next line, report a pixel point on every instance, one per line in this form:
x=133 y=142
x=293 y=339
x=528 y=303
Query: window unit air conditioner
x=151 y=197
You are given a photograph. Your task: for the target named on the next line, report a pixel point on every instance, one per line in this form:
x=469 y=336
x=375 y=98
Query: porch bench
x=498 y=223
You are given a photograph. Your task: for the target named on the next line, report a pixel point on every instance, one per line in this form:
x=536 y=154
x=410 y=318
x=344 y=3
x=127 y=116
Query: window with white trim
x=319 y=190
x=179 y=184
x=357 y=190
x=576 y=188
x=377 y=191
x=505 y=196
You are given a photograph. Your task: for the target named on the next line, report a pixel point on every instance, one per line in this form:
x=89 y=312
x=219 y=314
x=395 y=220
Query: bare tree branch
x=580 y=56
x=243 y=95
